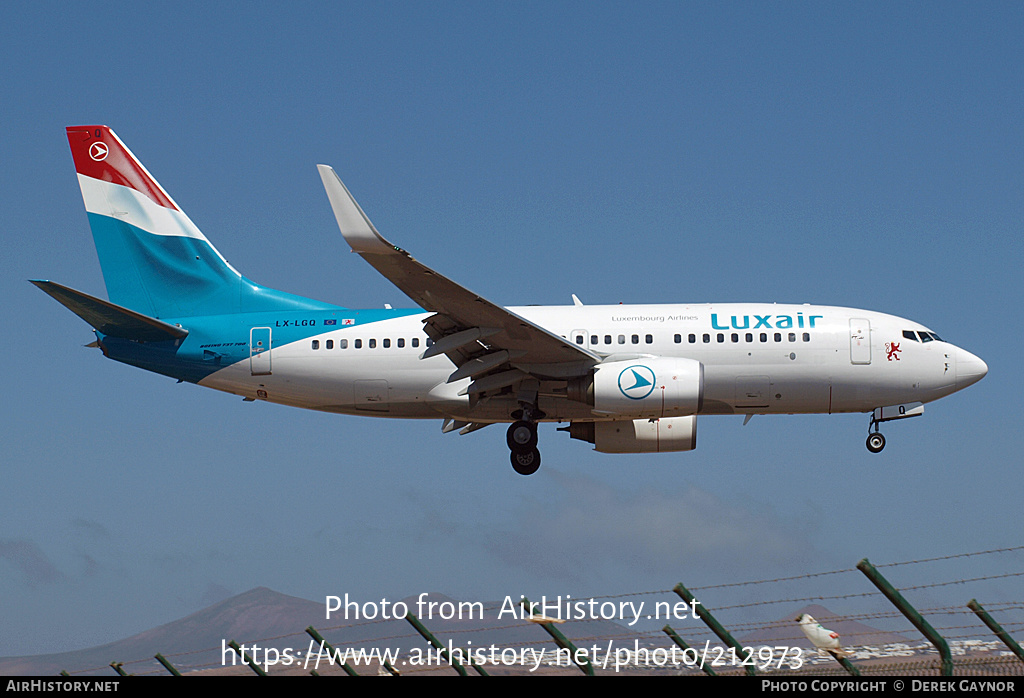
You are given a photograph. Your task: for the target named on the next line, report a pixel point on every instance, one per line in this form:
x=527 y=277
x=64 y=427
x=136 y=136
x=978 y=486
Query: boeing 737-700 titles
x=628 y=379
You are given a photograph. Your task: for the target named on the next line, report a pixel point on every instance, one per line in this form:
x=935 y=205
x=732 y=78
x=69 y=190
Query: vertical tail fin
x=154 y=259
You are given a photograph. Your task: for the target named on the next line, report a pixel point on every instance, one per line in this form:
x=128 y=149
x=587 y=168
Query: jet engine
x=643 y=388
x=639 y=435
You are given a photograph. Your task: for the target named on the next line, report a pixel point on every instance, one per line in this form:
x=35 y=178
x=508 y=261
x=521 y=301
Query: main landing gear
x=522 y=441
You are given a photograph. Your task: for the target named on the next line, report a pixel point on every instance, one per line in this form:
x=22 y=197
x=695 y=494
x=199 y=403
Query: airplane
x=625 y=378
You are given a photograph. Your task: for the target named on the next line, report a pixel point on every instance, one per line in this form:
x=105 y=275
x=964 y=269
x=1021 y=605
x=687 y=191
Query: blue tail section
x=155 y=260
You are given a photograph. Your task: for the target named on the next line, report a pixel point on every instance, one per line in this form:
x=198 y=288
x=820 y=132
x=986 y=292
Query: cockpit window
x=925 y=336
x=909 y=334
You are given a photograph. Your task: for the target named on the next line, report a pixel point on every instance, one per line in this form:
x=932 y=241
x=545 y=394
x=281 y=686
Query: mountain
x=274 y=620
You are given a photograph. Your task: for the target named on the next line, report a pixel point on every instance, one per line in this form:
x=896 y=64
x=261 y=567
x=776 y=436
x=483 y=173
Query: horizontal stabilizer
x=109 y=319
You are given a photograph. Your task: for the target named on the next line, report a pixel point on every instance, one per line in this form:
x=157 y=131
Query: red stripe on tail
x=100 y=154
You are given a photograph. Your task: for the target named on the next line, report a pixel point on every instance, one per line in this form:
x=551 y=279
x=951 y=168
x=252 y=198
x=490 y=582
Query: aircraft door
x=259 y=351
x=860 y=341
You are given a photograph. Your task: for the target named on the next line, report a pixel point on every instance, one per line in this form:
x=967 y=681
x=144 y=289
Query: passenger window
x=415 y=342
x=792 y=336
x=807 y=336
x=430 y=342
x=735 y=337
x=316 y=344
x=764 y=336
x=607 y=339
x=359 y=344
x=750 y=336
x=778 y=336
x=329 y=344
x=579 y=340
x=622 y=339
x=649 y=339
x=721 y=338
x=635 y=339
x=679 y=338
x=593 y=339
x=401 y=342
x=707 y=338
x=373 y=344
x=693 y=338
x=343 y=344
x=387 y=343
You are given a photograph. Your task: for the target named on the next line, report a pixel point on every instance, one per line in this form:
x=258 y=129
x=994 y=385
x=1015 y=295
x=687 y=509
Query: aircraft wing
x=480 y=337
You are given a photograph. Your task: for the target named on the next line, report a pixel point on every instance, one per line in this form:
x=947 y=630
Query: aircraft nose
x=969 y=369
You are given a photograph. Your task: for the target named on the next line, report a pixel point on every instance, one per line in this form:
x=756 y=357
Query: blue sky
x=856 y=154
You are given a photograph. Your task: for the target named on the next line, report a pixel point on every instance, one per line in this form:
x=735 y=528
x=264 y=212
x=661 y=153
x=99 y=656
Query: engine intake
x=643 y=388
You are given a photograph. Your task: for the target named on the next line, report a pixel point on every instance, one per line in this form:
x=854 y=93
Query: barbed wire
x=771 y=581
x=954 y=631
x=952 y=557
x=963 y=581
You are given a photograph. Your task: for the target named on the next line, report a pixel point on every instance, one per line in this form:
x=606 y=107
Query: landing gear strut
x=876 y=442
x=522 y=442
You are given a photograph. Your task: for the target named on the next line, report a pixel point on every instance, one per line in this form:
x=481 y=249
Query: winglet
x=355 y=226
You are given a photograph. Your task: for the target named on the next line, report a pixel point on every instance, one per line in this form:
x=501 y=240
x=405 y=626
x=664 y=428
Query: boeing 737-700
x=627 y=379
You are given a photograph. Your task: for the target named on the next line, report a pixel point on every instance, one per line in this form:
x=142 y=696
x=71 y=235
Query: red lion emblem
x=892 y=351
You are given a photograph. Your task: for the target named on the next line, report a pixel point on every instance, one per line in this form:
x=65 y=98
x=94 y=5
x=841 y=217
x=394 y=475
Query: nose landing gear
x=876 y=442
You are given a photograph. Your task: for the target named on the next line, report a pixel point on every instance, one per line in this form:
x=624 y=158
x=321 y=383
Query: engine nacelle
x=649 y=388
x=639 y=435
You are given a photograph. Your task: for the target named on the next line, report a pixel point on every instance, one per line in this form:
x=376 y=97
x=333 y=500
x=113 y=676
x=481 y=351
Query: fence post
x=429 y=637
x=585 y=666
x=325 y=645
x=996 y=628
x=910 y=613
x=716 y=627
x=679 y=641
x=245 y=658
x=167 y=665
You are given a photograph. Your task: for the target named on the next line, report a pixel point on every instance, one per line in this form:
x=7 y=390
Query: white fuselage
x=757 y=358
